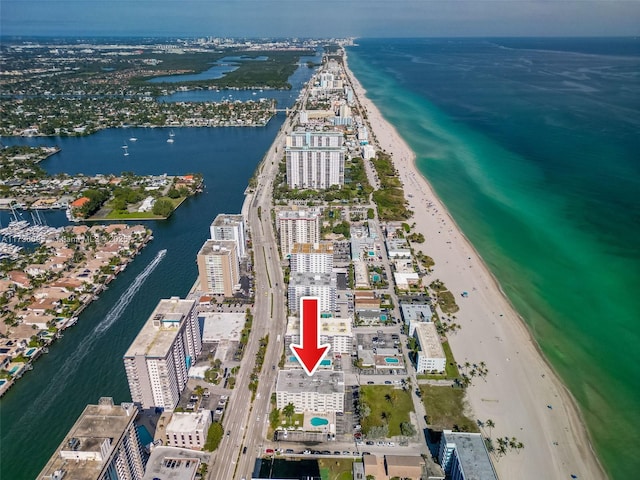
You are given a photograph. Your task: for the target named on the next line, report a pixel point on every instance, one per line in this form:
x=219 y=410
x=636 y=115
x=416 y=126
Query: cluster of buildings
x=106 y=441
x=47 y=297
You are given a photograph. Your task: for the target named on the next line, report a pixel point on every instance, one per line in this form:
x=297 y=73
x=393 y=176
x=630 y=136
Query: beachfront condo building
x=158 y=360
x=464 y=456
x=188 y=429
x=230 y=227
x=334 y=331
x=312 y=258
x=102 y=444
x=315 y=159
x=322 y=393
x=321 y=285
x=431 y=357
x=297 y=226
x=218 y=267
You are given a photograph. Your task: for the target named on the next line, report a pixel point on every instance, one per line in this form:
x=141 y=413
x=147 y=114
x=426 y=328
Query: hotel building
x=315 y=159
x=158 y=360
x=322 y=393
x=218 y=267
x=297 y=226
x=103 y=444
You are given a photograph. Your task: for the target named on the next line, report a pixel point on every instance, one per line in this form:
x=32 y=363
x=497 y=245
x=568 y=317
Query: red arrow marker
x=309 y=353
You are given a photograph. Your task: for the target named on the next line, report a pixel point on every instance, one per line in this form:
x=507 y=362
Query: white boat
x=133 y=139
x=169 y=140
x=171 y=134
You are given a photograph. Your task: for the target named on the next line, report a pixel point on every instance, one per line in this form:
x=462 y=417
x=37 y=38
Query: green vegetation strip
x=213 y=437
x=255 y=375
x=445 y=408
x=388 y=408
x=390 y=197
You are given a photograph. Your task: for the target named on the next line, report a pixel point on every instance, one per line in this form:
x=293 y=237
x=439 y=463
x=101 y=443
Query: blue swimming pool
x=391 y=360
x=383 y=317
x=144 y=435
x=2 y=382
x=324 y=363
x=318 y=421
x=30 y=352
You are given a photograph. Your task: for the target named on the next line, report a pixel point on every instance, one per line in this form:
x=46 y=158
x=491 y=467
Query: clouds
x=321 y=18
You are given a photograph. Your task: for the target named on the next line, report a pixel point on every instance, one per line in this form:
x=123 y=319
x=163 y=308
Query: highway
x=245 y=424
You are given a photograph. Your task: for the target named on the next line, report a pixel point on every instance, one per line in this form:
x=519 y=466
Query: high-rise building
x=230 y=227
x=312 y=258
x=464 y=456
x=298 y=226
x=103 y=444
x=218 y=267
x=321 y=285
x=322 y=393
x=158 y=360
x=315 y=159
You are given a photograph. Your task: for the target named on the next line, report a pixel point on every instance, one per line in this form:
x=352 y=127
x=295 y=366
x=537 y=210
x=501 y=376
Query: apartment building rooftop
x=85 y=450
x=217 y=247
x=159 y=331
x=322 y=382
x=429 y=340
x=322 y=247
x=328 y=326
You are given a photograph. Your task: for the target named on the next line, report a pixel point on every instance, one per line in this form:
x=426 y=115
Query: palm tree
x=288 y=411
x=490 y=424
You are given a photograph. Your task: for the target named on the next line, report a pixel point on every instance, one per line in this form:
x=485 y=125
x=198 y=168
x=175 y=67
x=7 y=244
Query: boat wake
x=74 y=361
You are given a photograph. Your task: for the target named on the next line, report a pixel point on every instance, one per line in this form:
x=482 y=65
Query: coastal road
x=244 y=423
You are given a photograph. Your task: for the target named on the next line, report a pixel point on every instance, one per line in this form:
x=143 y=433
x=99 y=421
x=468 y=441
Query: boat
x=133 y=139
x=169 y=140
x=171 y=134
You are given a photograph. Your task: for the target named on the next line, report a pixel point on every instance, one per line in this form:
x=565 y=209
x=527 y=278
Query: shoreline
x=557 y=443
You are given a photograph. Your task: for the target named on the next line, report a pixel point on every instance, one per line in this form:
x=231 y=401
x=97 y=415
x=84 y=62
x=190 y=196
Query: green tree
x=407 y=429
x=213 y=437
x=288 y=411
x=371 y=214
x=162 y=207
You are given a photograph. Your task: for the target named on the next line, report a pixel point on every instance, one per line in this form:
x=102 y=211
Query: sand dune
x=520 y=386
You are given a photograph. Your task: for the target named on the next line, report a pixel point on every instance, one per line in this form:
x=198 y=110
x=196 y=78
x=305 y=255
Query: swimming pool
x=30 y=352
x=383 y=317
x=391 y=360
x=324 y=363
x=144 y=435
x=318 y=421
x=2 y=382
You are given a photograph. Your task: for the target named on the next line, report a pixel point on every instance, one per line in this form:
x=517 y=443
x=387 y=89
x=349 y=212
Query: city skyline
x=358 y=18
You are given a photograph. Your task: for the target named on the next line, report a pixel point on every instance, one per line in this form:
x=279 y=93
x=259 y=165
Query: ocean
x=533 y=146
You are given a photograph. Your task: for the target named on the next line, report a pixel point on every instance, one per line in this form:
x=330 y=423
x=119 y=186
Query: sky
x=320 y=18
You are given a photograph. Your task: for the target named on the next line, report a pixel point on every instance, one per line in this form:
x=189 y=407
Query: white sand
x=520 y=384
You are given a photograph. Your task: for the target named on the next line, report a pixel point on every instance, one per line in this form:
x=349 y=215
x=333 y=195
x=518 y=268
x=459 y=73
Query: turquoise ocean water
x=534 y=147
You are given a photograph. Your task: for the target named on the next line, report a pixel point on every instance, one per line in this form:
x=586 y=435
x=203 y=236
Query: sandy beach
x=521 y=394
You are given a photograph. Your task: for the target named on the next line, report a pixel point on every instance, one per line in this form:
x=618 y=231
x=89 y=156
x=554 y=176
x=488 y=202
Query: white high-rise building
x=230 y=227
x=321 y=285
x=218 y=267
x=322 y=393
x=297 y=226
x=315 y=159
x=103 y=444
x=431 y=356
x=158 y=360
x=312 y=258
